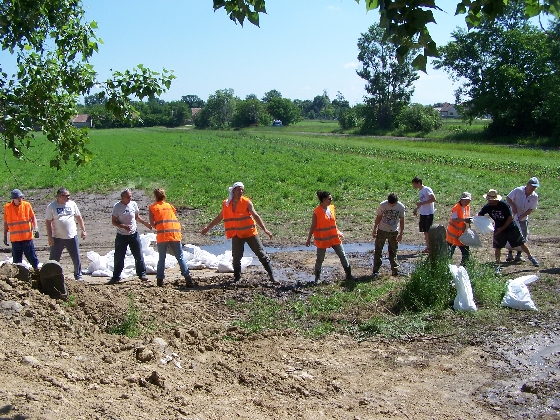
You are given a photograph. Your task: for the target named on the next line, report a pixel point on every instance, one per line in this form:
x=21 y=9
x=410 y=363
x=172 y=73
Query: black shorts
x=512 y=235
x=426 y=220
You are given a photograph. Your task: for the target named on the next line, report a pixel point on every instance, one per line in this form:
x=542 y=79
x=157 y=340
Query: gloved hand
x=469 y=219
x=36 y=234
x=6 y=241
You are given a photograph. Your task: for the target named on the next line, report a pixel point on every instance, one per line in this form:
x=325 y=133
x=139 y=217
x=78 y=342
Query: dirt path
x=57 y=361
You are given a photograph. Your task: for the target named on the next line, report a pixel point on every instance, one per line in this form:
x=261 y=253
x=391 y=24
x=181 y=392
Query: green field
x=283 y=167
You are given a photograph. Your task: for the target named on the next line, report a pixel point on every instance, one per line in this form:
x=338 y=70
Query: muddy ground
x=57 y=360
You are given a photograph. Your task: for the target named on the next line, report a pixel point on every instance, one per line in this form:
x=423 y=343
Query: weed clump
x=131 y=324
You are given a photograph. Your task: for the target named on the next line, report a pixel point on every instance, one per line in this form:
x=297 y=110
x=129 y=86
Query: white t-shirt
x=62 y=216
x=426 y=209
x=390 y=216
x=126 y=214
x=522 y=202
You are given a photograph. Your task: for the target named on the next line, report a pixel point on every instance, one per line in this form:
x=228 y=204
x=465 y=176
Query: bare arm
x=48 y=225
x=375 y=225
x=401 y=229
x=512 y=205
x=213 y=223
x=140 y=220
x=311 y=229
x=258 y=219
x=82 y=226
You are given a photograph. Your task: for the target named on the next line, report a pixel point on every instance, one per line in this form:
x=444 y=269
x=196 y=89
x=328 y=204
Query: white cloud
x=333 y=8
x=351 y=65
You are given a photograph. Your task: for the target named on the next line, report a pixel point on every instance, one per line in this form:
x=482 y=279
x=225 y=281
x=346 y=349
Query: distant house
x=194 y=112
x=448 y=111
x=82 y=120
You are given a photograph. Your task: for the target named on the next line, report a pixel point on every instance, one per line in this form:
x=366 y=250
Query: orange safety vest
x=168 y=228
x=325 y=234
x=456 y=228
x=240 y=222
x=19 y=220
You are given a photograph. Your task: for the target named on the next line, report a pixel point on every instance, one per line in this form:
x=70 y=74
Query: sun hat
x=534 y=182
x=234 y=186
x=492 y=195
x=466 y=196
x=16 y=194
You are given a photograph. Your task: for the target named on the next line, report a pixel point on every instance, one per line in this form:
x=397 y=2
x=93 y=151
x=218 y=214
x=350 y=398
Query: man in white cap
x=505 y=230
x=523 y=200
x=20 y=221
x=240 y=220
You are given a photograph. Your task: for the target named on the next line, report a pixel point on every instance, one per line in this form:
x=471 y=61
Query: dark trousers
x=20 y=248
x=121 y=243
x=254 y=242
x=380 y=239
x=73 y=249
x=465 y=252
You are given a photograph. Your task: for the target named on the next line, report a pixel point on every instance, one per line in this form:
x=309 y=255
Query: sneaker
x=509 y=257
x=78 y=278
x=519 y=258
x=534 y=261
x=498 y=269
x=113 y=281
x=375 y=274
x=144 y=278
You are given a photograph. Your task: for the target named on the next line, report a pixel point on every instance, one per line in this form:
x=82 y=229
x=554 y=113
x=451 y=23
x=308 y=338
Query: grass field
x=282 y=168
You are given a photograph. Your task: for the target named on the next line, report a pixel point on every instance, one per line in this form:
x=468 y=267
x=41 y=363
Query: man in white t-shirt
x=523 y=200
x=60 y=218
x=426 y=207
x=124 y=217
x=388 y=226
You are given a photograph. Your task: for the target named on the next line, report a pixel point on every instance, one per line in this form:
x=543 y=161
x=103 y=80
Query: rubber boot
x=236 y=273
x=160 y=282
x=317 y=275
x=268 y=269
x=189 y=281
x=348 y=271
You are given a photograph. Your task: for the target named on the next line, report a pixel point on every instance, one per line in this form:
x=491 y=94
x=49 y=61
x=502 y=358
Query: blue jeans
x=121 y=243
x=19 y=248
x=177 y=250
x=73 y=249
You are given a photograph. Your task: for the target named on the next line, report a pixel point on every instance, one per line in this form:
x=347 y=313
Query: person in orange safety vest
x=460 y=216
x=20 y=221
x=163 y=219
x=326 y=234
x=240 y=224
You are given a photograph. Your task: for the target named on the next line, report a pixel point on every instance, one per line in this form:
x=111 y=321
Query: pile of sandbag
x=102 y=265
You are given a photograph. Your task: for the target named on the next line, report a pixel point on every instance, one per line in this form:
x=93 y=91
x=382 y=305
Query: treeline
x=221 y=110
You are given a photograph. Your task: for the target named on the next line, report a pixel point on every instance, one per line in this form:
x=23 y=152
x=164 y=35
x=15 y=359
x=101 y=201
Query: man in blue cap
x=20 y=221
x=523 y=200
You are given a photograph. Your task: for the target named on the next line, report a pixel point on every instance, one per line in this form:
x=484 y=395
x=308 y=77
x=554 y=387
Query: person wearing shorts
x=425 y=206
x=504 y=229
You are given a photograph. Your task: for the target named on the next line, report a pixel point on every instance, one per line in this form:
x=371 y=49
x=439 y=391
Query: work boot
x=160 y=282
x=518 y=257
x=113 y=280
x=509 y=257
x=189 y=281
x=348 y=271
x=317 y=275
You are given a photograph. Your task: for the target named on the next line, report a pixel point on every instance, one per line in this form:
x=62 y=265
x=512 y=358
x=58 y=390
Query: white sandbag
x=464 y=301
x=483 y=224
x=226 y=264
x=518 y=295
x=470 y=238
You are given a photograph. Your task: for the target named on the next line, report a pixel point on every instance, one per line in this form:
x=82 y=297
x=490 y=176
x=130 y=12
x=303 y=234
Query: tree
x=340 y=104
x=271 y=94
x=405 y=22
x=192 y=101
x=284 y=110
x=417 y=117
x=389 y=84
x=506 y=69
x=249 y=112
x=51 y=44
x=218 y=111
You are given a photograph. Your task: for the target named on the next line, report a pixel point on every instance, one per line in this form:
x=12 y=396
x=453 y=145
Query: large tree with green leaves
x=506 y=69
x=284 y=110
x=405 y=21
x=218 y=111
x=51 y=44
x=390 y=83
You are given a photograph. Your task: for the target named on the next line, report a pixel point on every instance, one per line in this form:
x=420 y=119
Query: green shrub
x=131 y=324
x=421 y=118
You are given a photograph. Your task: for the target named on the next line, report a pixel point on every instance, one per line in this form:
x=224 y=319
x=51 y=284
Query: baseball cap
x=534 y=182
x=16 y=194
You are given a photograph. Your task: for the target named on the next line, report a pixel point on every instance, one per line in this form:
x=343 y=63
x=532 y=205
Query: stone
x=10 y=305
x=30 y=360
x=52 y=280
x=8 y=271
x=144 y=354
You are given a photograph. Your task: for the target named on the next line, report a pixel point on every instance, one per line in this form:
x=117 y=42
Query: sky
x=301 y=48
